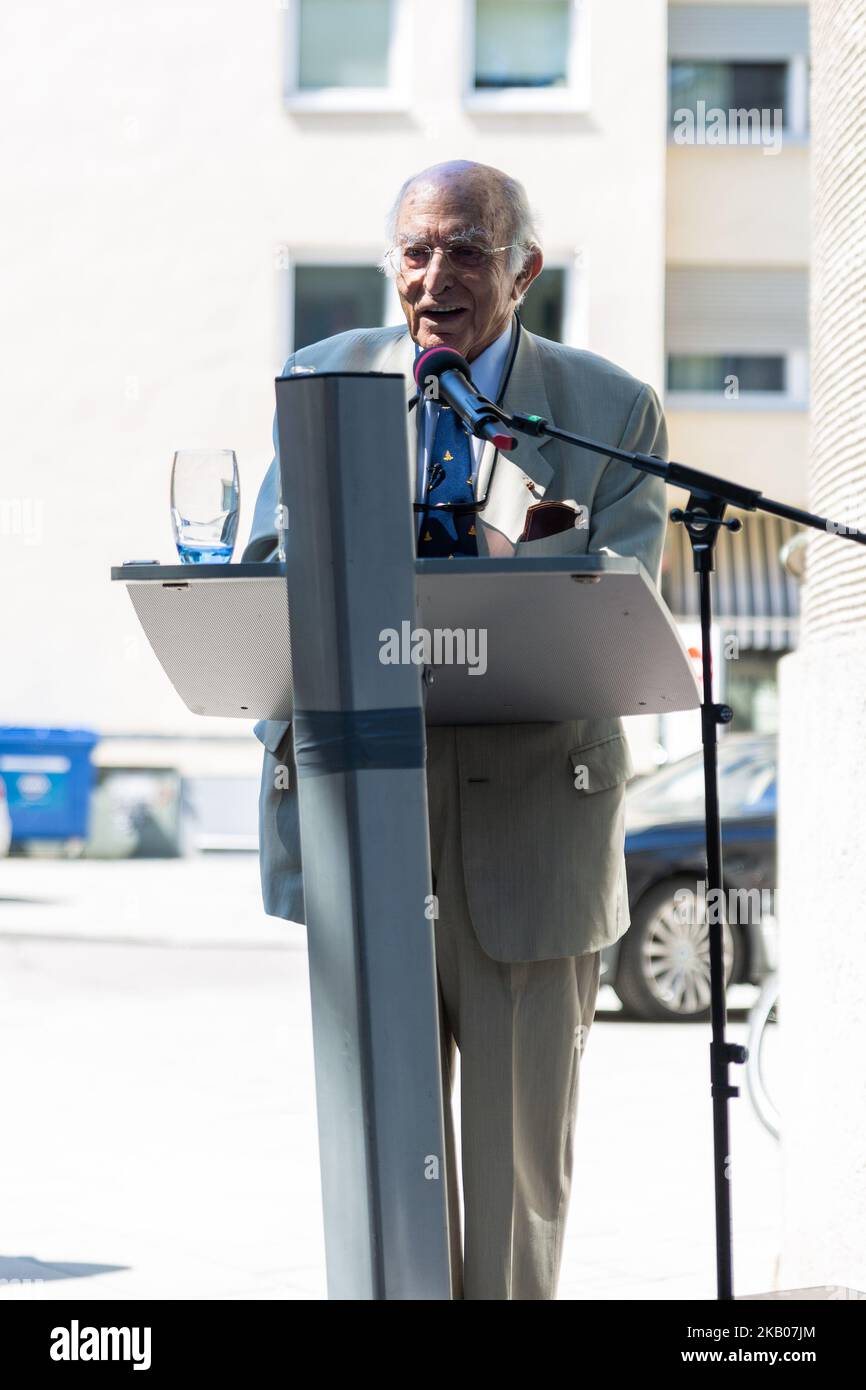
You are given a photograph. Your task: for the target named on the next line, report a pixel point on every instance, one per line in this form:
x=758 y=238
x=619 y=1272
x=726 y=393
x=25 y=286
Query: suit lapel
x=400 y=357
x=522 y=477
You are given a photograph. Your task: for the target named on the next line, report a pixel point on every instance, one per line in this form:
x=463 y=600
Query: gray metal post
x=359 y=748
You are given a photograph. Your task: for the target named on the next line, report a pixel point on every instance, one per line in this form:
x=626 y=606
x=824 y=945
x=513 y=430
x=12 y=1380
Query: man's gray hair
x=520 y=222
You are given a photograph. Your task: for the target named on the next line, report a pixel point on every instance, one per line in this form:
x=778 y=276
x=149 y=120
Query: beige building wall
x=763 y=449
x=737 y=205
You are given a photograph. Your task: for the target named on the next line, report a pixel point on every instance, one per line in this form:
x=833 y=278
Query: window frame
x=575 y=288
x=292 y=258
x=572 y=98
x=575 y=298
x=393 y=97
x=794 y=397
x=795 y=127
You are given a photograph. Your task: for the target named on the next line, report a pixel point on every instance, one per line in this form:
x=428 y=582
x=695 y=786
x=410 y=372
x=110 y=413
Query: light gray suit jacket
x=543 y=859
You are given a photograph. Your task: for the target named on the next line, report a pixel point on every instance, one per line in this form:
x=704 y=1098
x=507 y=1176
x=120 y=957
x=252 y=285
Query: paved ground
x=159 y=1110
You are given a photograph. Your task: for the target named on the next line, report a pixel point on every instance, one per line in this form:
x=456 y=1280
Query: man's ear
x=530 y=272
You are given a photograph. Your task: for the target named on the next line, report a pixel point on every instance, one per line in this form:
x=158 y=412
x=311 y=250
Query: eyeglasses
x=413 y=257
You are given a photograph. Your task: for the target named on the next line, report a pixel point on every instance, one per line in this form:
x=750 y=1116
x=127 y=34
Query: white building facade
x=195 y=191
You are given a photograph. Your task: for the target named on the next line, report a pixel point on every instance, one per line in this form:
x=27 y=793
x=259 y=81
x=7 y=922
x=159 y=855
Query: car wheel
x=663 y=971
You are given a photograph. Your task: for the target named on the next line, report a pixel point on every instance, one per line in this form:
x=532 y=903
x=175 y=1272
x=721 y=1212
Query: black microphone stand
x=704 y=514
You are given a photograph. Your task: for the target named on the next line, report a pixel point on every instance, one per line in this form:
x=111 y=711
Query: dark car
x=660 y=968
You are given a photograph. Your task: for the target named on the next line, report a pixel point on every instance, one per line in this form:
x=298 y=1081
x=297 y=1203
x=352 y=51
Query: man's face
x=465 y=309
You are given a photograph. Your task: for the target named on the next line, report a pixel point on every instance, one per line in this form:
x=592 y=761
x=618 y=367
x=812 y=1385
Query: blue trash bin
x=48 y=776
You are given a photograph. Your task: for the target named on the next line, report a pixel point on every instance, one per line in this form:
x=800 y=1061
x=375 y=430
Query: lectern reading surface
x=564 y=638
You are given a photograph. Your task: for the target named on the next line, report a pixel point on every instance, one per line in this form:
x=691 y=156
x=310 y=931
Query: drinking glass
x=205 y=505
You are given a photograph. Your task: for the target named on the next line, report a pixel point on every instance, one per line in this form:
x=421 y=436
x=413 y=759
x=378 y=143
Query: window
x=743 y=58
x=737 y=337
x=520 y=45
x=329 y=299
x=729 y=87
x=530 y=57
x=322 y=299
x=726 y=374
x=347 y=55
x=343 y=43
x=542 y=311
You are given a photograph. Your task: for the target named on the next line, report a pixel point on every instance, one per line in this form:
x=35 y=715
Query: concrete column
x=822 y=854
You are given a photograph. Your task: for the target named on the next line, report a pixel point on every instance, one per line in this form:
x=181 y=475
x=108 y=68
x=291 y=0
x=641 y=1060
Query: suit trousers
x=521 y=1028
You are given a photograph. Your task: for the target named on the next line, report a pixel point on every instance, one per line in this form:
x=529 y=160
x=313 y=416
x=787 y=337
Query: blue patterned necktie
x=449 y=479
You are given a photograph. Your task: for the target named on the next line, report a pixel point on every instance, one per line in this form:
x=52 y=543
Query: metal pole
x=360 y=753
x=702 y=519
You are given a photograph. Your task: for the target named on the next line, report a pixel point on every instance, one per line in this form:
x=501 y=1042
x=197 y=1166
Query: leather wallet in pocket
x=545 y=519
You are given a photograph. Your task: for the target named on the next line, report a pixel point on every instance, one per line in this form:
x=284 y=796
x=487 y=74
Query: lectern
x=308 y=642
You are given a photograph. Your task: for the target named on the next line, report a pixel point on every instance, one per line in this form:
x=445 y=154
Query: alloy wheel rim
x=675 y=958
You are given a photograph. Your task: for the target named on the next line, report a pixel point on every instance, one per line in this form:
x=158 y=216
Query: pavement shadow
x=25 y=1269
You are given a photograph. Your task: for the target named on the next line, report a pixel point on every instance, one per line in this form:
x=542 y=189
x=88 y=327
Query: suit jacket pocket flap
x=598 y=766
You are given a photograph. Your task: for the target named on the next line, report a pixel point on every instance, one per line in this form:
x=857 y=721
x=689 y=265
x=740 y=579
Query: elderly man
x=526 y=821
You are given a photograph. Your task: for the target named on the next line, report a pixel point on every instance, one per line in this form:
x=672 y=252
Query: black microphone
x=456 y=387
